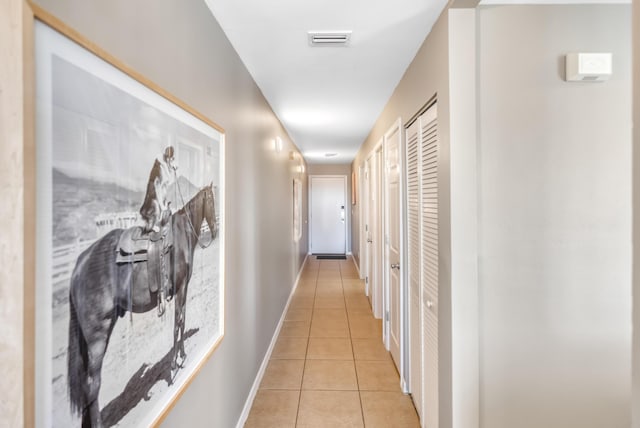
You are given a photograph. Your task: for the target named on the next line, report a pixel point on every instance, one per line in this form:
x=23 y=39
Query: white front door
x=394 y=241
x=328 y=214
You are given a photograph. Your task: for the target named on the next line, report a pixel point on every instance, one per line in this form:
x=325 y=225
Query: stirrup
x=161 y=304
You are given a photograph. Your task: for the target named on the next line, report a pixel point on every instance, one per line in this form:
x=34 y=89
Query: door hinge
x=366 y=279
x=386 y=316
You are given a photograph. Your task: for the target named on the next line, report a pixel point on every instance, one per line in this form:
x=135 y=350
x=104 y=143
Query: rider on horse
x=155 y=210
x=163 y=174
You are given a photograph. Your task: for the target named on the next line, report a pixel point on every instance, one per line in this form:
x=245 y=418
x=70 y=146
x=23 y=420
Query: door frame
x=376 y=274
x=363 y=201
x=378 y=162
x=396 y=127
x=414 y=329
x=309 y=211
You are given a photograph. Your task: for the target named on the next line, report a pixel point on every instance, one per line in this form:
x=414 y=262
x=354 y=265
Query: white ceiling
x=327 y=98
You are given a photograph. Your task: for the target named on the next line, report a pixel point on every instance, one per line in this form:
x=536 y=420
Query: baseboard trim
x=256 y=383
x=357 y=267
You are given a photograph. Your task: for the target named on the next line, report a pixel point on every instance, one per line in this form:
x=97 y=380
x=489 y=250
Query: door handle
x=430 y=304
x=395 y=266
x=342 y=213
x=369 y=240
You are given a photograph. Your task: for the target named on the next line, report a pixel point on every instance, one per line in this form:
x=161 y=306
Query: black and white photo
x=130 y=249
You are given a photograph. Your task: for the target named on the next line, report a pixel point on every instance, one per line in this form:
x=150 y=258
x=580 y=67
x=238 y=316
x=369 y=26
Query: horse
x=101 y=291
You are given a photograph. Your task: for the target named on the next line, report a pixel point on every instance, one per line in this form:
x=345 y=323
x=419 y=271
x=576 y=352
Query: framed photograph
x=130 y=249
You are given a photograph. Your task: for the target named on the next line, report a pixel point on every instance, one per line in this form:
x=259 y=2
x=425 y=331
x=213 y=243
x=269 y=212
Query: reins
x=193 y=229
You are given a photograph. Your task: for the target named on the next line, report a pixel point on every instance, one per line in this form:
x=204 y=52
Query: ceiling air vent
x=333 y=38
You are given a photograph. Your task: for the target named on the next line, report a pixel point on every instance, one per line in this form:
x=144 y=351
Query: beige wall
x=536 y=271
x=180 y=47
x=554 y=219
x=426 y=77
x=330 y=169
x=445 y=67
x=464 y=217
x=636 y=216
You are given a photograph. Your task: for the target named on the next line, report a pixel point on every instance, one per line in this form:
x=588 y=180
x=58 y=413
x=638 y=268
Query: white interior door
x=377 y=233
x=368 y=241
x=394 y=241
x=328 y=221
x=429 y=148
x=362 y=256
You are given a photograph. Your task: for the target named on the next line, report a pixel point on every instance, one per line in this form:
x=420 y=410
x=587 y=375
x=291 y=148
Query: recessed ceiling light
x=330 y=155
x=329 y=38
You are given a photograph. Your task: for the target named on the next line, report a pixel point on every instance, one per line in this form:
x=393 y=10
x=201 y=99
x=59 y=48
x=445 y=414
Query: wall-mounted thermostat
x=588 y=67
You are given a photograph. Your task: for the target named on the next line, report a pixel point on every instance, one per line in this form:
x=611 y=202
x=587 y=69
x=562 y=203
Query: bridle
x=187 y=208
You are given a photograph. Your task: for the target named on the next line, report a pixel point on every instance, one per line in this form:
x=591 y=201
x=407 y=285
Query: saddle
x=147 y=250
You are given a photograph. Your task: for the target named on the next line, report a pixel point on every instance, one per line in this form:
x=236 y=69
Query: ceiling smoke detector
x=330 y=155
x=329 y=38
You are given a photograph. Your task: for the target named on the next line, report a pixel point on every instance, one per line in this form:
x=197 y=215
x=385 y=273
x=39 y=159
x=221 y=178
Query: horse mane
x=191 y=201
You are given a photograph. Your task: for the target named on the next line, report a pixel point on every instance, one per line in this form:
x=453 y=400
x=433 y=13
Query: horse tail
x=77 y=359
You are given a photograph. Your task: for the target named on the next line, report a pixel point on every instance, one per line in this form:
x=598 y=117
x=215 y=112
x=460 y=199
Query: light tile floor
x=329 y=367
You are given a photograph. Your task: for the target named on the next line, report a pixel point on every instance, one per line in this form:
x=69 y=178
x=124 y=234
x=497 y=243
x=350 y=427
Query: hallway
x=329 y=367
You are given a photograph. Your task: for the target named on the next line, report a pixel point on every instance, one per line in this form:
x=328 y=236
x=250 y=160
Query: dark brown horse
x=101 y=291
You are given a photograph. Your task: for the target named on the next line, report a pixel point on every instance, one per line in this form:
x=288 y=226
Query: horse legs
x=178 y=327
x=183 y=354
x=91 y=414
x=178 y=336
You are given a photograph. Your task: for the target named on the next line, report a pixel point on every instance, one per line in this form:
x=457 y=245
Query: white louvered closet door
x=428 y=137
x=413 y=263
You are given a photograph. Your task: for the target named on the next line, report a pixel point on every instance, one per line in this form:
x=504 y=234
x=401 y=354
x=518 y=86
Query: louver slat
x=429 y=151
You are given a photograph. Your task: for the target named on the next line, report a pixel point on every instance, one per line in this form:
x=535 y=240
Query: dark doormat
x=331 y=257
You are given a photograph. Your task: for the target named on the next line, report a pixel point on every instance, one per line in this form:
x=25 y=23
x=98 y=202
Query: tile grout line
x=309 y=342
x=326 y=273
x=353 y=354
x=304 y=365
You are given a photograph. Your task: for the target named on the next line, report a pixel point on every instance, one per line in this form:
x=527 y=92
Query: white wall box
x=588 y=67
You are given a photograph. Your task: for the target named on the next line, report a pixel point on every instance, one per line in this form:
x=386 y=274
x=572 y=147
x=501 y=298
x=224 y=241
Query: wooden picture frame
x=130 y=193
x=297 y=210
x=354 y=188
